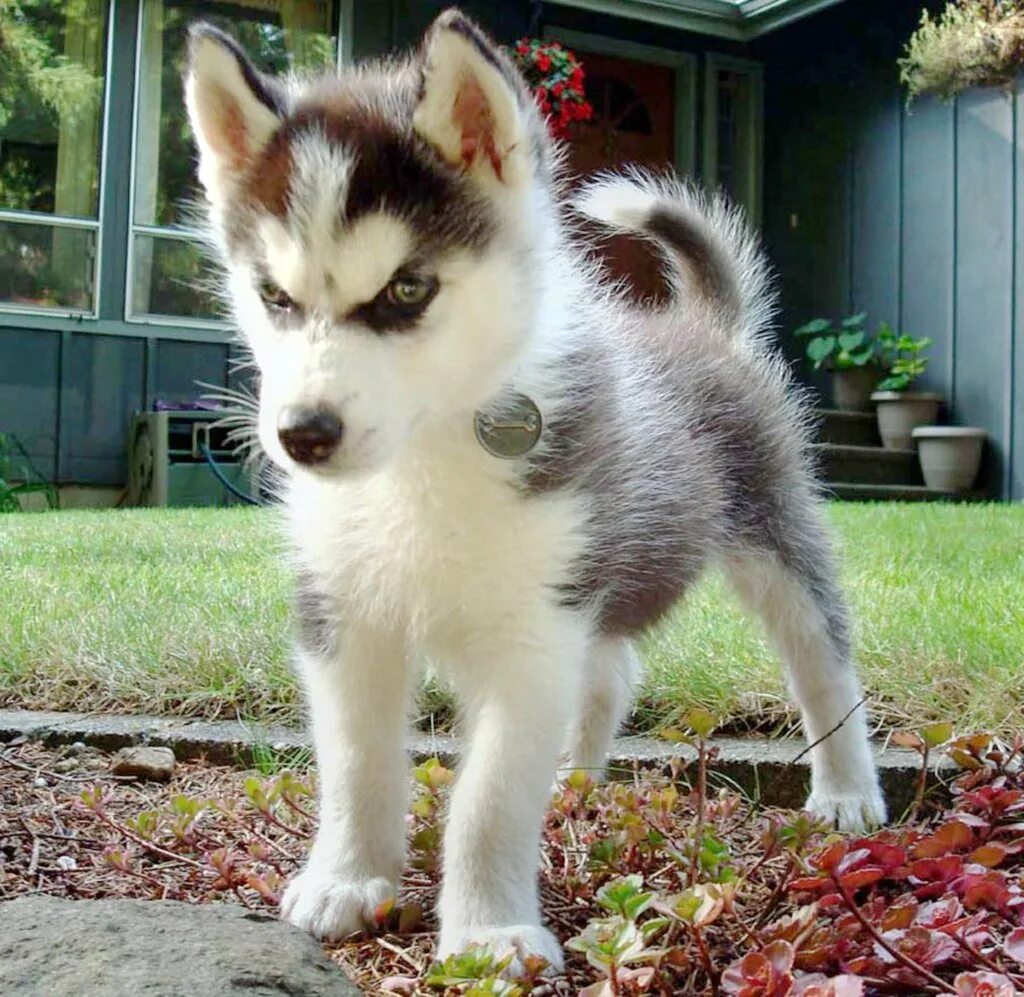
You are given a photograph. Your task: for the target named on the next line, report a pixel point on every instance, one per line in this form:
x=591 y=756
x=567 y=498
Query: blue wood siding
x=68 y=397
x=103 y=378
x=983 y=331
x=929 y=233
x=30 y=392
x=928 y=199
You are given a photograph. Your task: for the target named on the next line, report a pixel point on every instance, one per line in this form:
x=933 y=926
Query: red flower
x=543 y=62
x=557 y=89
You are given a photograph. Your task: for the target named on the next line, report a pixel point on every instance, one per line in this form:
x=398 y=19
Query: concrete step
x=867 y=465
x=854 y=429
x=897 y=493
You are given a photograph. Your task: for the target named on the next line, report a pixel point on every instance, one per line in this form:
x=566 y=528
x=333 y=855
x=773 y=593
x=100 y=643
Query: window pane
x=52 y=55
x=278 y=34
x=172 y=278
x=45 y=266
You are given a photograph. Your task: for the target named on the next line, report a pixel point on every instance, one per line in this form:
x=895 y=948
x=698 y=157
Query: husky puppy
x=494 y=461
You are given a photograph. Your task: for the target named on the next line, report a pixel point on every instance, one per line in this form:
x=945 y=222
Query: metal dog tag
x=512 y=434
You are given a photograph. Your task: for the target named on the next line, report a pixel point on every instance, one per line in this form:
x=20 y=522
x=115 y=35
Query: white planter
x=950 y=456
x=901 y=412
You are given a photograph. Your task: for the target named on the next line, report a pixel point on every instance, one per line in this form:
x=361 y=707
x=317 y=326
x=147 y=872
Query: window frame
x=94 y=225
x=341 y=25
x=753 y=168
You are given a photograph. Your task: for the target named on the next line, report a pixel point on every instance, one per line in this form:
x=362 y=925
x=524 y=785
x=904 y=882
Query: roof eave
x=738 y=22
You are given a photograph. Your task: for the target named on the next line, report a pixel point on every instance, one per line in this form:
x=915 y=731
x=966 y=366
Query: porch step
x=898 y=493
x=854 y=429
x=852 y=465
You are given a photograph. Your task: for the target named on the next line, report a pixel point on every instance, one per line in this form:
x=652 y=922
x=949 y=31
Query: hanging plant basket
x=555 y=76
x=972 y=43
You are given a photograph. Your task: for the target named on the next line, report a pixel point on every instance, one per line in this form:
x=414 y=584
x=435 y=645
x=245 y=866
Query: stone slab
x=131 y=948
x=774 y=771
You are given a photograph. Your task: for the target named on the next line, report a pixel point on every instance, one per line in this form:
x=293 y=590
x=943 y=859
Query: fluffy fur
x=673 y=440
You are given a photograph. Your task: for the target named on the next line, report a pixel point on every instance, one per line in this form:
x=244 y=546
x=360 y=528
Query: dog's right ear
x=233 y=109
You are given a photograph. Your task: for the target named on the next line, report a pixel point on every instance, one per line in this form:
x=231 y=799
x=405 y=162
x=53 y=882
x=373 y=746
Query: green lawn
x=186 y=611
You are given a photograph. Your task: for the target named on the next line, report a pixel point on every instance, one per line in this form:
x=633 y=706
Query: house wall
x=913 y=215
x=68 y=385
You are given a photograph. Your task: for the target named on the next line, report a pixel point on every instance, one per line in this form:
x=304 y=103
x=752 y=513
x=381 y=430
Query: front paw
x=330 y=907
x=852 y=811
x=521 y=941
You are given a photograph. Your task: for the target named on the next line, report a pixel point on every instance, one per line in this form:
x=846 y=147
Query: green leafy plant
x=844 y=348
x=901 y=356
x=971 y=43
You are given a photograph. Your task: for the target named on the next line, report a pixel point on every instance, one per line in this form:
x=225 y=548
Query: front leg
x=519 y=699
x=357 y=698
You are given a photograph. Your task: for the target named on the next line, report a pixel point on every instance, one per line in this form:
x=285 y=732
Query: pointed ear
x=233 y=109
x=470 y=108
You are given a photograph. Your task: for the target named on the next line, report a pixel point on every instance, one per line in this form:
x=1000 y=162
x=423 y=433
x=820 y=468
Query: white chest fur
x=441 y=541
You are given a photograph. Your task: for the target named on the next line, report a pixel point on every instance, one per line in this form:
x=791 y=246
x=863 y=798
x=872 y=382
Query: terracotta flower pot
x=901 y=412
x=950 y=456
x=851 y=389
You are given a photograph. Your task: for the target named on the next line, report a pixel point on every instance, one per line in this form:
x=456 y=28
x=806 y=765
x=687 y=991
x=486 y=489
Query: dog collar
x=512 y=429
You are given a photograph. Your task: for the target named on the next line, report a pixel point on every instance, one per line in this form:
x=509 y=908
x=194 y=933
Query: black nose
x=309 y=436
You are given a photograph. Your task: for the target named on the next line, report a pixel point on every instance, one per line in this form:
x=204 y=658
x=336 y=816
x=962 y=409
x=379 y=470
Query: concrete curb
x=767 y=770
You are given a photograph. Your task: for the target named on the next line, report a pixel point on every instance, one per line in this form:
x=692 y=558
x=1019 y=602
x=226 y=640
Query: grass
x=186 y=611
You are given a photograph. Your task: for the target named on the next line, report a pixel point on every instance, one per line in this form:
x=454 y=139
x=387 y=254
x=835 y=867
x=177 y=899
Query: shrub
x=972 y=43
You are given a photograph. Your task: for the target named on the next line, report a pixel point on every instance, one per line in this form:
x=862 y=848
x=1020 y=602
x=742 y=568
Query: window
x=168 y=275
x=52 y=76
x=733 y=111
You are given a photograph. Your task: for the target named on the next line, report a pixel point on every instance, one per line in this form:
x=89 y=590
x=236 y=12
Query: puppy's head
x=377 y=229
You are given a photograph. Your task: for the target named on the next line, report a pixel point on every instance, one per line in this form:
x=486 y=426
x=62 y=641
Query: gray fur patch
x=314 y=623
x=686 y=438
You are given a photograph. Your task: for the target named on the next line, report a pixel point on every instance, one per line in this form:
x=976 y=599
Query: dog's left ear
x=470 y=108
x=233 y=108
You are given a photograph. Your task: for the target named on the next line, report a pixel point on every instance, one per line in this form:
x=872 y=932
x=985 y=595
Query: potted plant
x=901 y=411
x=950 y=456
x=848 y=354
x=555 y=77
x=969 y=43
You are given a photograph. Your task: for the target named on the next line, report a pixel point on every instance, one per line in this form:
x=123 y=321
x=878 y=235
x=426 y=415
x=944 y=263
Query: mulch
x=51 y=842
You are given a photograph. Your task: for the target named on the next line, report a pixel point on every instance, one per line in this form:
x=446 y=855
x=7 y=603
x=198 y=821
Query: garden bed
x=768 y=904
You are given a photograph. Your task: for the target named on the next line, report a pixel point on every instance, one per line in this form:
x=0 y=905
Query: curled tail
x=710 y=249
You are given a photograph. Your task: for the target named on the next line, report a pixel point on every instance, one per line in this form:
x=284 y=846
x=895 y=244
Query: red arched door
x=633 y=122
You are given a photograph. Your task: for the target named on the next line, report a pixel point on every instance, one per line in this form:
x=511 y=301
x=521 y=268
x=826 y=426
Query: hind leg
x=796 y=595
x=612 y=671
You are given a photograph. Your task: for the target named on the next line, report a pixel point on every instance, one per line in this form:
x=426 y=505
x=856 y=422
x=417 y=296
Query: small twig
x=705 y=958
x=777 y=893
x=147 y=845
x=984 y=959
x=405 y=957
x=828 y=734
x=295 y=832
x=878 y=937
x=33 y=863
x=922 y=782
x=38 y=770
x=702 y=794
